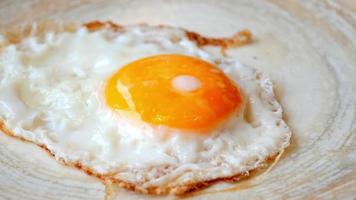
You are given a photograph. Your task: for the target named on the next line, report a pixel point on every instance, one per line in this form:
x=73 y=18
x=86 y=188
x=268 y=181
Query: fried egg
x=143 y=106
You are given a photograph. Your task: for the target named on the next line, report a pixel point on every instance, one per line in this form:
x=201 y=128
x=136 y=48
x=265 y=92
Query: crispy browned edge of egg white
x=240 y=38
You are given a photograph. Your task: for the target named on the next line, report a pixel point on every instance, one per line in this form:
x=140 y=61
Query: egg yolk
x=174 y=90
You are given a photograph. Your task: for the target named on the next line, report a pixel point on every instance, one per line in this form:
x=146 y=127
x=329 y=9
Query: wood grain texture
x=315 y=41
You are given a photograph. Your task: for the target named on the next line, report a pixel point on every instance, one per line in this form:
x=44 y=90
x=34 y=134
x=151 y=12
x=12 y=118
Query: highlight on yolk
x=174 y=90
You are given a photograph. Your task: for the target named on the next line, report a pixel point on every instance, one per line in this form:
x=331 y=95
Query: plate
x=307 y=47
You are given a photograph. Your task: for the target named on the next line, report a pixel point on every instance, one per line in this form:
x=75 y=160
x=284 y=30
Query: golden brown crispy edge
x=238 y=39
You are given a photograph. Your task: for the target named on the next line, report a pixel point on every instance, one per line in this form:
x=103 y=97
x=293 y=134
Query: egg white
x=52 y=94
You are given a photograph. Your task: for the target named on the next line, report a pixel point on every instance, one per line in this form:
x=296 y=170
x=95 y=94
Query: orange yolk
x=174 y=90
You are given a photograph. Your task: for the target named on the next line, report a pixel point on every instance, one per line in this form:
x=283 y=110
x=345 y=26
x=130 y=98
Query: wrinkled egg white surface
x=52 y=94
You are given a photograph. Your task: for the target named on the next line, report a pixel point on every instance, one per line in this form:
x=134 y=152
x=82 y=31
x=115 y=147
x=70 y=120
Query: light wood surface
x=313 y=42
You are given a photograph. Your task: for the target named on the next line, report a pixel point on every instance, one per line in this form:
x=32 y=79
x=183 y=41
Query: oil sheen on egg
x=143 y=104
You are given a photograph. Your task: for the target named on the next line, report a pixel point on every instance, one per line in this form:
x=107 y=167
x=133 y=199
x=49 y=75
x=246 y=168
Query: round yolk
x=174 y=90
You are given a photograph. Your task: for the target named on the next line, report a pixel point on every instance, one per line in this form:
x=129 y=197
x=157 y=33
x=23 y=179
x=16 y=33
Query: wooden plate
x=307 y=47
